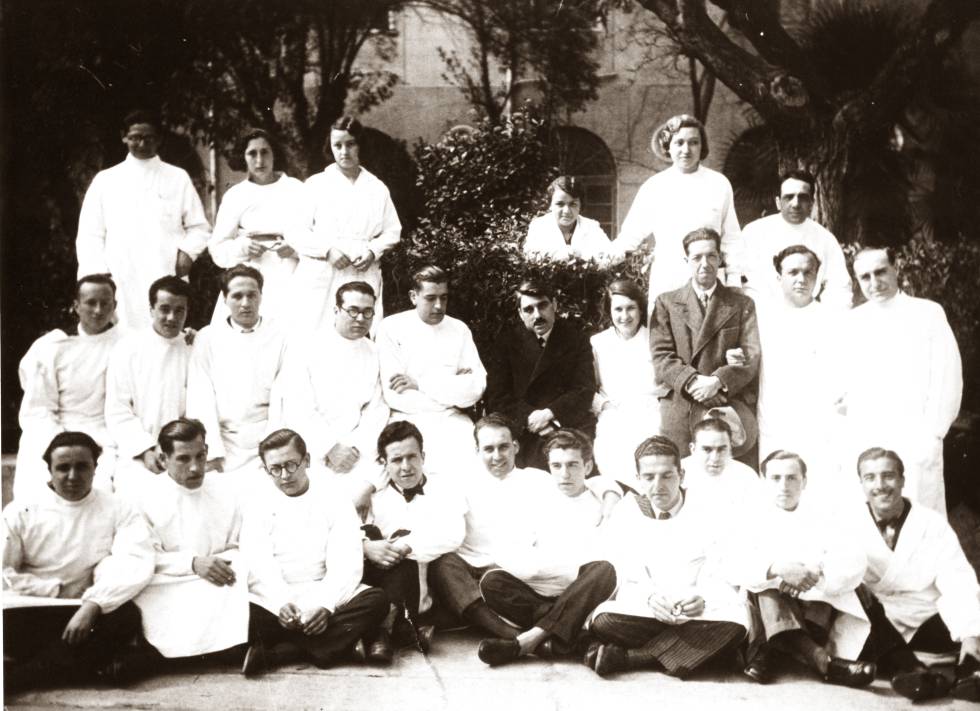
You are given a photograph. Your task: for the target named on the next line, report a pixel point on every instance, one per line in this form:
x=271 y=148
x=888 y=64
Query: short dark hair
x=660 y=143
x=430 y=273
x=569 y=438
x=711 y=424
x=347 y=123
x=183 y=429
x=396 y=432
x=361 y=287
x=777 y=261
x=538 y=289
x=797 y=174
x=566 y=183
x=889 y=253
x=880 y=453
x=72 y=439
x=101 y=279
x=282 y=438
x=699 y=235
x=141 y=116
x=236 y=161
x=498 y=420
x=782 y=454
x=657 y=446
x=240 y=270
x=631 y=290
x=171 y=285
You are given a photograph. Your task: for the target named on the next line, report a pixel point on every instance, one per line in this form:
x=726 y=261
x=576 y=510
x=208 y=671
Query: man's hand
x=282 y=250
x=255 y=249
x=314 y=621
x=362 y=499
x=81 y=624
x=216 y=571
x=690 y=607
x=289 y=616
x=383 y=554
x=183 y=265
x=704 y=387
x=796 y=575
x=539 y=420
x=401 y=382
x=735 y=356
x=215 y=465
x=662 y=609
x=609 y=501
x=151 y=460
x=338 y=258
x=364 y=260
x=970 y=647
x=342 y=458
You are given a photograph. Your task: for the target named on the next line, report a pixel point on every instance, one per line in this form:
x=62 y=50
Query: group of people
x=298 y=480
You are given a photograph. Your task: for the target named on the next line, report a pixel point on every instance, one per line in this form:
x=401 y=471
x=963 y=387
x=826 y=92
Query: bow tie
x=416 y=490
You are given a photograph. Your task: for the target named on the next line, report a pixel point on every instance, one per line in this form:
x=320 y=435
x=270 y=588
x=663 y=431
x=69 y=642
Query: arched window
x=583 y=154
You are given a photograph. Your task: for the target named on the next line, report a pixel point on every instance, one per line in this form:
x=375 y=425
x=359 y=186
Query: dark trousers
x=777 y=613
x=34 y=634
x=456 y=582
x=400 y=583
x=562 y=616
x=347 y=624
x=679 y=649
x=887 y=647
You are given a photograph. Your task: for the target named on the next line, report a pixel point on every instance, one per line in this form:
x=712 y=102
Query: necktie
x=541 y=341
x=889 y=531
x=410 y=494
x=663 y=515
x=703 y=300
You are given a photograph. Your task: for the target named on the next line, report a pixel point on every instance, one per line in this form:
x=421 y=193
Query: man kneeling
x=673 y=610
x=551 y=582
x=302 y=543
x=74 y=559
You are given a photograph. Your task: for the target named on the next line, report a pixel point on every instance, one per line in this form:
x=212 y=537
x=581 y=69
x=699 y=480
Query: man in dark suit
x=705 y=344
x=541 y=374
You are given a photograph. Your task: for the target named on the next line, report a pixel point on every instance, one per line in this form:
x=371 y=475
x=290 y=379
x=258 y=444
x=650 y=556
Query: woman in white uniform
x=627 y=398
x=676 y=201
x=349 y=221
x=562 y=232
x=252 y=222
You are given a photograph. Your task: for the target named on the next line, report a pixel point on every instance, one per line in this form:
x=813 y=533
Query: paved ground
x=453 y=678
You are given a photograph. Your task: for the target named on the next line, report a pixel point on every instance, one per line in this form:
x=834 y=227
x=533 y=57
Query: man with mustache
x=542 y=375
x=901 y=377
x=920 y=591
x=146 y=384
x=705 y=344
x=768 y=236
x=234 y=366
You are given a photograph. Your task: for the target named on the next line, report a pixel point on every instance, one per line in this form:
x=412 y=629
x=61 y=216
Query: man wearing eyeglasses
x=302 y=543
x=140 y=219
x=431 y=371
x=333 y=391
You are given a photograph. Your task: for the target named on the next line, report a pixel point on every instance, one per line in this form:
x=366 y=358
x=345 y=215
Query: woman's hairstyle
x=236 y=161
x=349 y=124
x=631 y=290
x=660 y=143
x=567 y=183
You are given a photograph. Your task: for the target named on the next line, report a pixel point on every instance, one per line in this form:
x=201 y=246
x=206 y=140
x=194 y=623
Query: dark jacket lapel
x=720 y=311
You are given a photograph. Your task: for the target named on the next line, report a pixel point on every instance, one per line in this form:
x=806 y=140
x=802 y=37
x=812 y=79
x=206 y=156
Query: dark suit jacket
x=685 y=343
x=522 y=377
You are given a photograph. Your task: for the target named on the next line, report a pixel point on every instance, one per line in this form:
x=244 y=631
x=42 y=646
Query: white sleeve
x=732 y=243
x=202 y=400
x=391 y=228
x=838 y=291
x=226 y=247
x=39 y=408
x=306 y=236
x=13 y=558
x=121 y=419
x=265 y=581
x=636 y=229
x=458 y=389
x=90 y=240
x=945 y=370
x=122 y=574
x=344 y=557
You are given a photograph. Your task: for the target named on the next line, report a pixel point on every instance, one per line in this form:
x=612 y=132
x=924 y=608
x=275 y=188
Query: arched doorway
x=583 y=154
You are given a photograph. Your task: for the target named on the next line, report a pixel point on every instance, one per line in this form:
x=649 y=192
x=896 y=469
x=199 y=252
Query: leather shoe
x=379 y=652
x=847 y=673
x=498 y=651
x=610 y=658
x=967 y=688
x=591 y=652
x=921 y=684
x=758 y=669
x=425 y=634
x=255 y=661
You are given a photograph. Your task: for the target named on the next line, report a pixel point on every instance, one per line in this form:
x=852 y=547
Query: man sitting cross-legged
x=301 y=540
x=802 y=570
x=674 y=610
x=550 y=583
x=418 y=516
x=74 y=558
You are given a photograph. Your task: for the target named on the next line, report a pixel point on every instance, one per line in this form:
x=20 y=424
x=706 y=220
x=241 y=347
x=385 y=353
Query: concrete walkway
x=453 y=678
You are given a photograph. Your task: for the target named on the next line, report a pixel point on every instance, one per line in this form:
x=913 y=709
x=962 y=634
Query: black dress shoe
x=759 y=669
x=379 y=652
x=255 y=661
x=131 y=666
x=590 y=654
x=967 y=688
x=921 y=684
x=496 y=652
x=610 y=658
x=847 y=673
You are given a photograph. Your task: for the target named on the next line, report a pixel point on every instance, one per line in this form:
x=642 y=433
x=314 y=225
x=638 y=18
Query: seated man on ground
x=674 y=609
x=301 y=541
x=802 y=570
x=73 y=560
x=197 y=602
x=418 y=517
x=551 y=583
x=920 y=591
x=711 y=476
